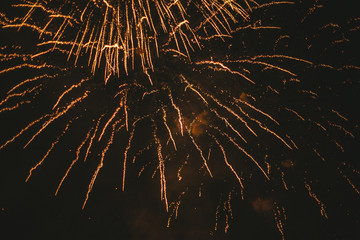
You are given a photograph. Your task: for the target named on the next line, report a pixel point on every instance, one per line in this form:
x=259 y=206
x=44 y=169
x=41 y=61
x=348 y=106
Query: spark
x=101 y=164
x=228 y=164
x=319 y=202
x=73 y=162
x=159 y=55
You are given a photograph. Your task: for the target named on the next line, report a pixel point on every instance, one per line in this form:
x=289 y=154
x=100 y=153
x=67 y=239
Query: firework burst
x=190 y=83
x=122 y=31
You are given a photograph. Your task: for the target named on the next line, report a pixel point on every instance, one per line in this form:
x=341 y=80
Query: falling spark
x=202 y=110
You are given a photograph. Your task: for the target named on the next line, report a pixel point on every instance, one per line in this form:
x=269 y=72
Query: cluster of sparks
x=120 y=31
x=189 y=119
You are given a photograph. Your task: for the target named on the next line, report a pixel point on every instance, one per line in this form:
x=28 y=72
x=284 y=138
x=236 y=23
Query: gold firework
x=197 y=108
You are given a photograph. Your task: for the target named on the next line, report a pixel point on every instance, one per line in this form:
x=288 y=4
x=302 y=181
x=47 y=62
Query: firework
x=122 y=31
x=216 y=114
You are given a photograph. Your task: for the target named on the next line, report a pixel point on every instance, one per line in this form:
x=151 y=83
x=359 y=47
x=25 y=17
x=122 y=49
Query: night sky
x=315 y=31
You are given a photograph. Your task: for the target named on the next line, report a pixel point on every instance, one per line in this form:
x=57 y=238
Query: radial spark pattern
x=205 y=98
x=121 y=31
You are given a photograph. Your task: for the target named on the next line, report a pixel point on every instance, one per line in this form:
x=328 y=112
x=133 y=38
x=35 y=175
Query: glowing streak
x=318 y=154
x=108 y=122
x=92 y=138
x=279 y=221
x=48 y=152
x=33 y=27
x=167 y=127
x=162 y=172
x=338 y=114
x=27 y=66
x=268 y=130
x=282 y=57
x=227 y=163
x=22 y=94
x=73 y=162
x=149 y=77
x=234 y=114
x=313 y=195
x=222 y=66
x=178 y=111
x=190 y=86
x=22 y=131
x=342 y=129
x=283 y=180
x=7 y=109
x=103 y=153
x=229 y=125
x=201 y=153
x=56 y=116
x=294 y=112
x=67 y=91
x=350 y=183
x=271 y=66
x=243 y=151
x=258 y=110
x=126 y=153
